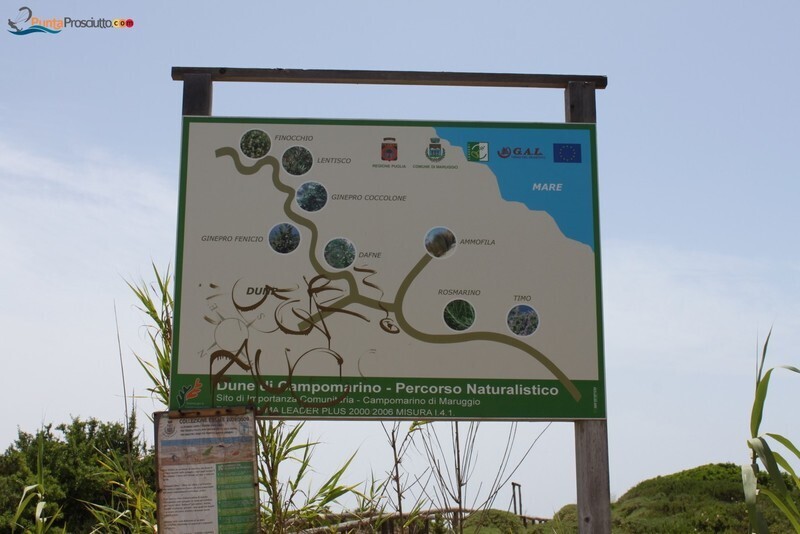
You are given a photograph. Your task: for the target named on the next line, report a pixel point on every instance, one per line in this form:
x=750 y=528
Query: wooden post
x=197 y=94
x=591 y=467
x=591 y=437
x=514 y=498
x=521 y=514
x=579 y=102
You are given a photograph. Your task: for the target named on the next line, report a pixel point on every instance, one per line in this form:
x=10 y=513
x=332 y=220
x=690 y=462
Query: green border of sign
x=429 y=404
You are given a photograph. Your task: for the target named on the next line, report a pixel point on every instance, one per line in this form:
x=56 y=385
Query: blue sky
x=698 y=186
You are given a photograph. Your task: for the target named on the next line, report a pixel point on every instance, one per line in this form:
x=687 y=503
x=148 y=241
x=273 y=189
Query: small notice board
x=207 y=482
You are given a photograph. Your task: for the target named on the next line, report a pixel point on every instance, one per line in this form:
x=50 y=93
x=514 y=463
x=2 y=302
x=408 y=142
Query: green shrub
x=491 y=521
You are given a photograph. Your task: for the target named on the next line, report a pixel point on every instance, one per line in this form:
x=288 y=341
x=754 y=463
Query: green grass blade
x=779 y=503
x=763 y=356
x=762 y=449
x=768 y=458
x=28 y=493
x=785 y=465
x=750 y=484
x=757 y=413
x=786 y=443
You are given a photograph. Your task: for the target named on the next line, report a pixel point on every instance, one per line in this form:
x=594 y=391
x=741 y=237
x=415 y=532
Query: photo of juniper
x=297 y=160
x=340 y=253
x=522 y=320
x=312 y=196
x=284 y=238
x=459 y=314
x=439 y=241
x=255 y=144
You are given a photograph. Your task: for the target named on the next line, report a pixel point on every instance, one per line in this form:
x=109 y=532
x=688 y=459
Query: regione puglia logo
x=24 y=23
x=477 y=151
x=389 y=149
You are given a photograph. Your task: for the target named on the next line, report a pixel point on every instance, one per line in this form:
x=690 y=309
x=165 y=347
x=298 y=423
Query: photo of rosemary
x=459 y=315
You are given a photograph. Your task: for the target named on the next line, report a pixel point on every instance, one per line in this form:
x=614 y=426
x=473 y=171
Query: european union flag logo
x=566 y=152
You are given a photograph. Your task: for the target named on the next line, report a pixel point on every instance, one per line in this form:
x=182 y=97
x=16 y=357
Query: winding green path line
x=354 y=297
x=472 y=336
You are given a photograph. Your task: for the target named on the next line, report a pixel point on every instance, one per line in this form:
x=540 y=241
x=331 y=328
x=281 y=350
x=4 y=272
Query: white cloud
x=73 y=228
x=683 y=329
x=702 y=311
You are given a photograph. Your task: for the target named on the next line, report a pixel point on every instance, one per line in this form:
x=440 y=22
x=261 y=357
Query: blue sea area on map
x=520 y=158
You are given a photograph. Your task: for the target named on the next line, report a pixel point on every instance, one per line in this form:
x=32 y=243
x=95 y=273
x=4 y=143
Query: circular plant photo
x=522 y=320
x=340 y=253
x=440 y=241
x=284 y=238
x=459 y=315
x=297 y=160
x=312 y=196
x=255 y=144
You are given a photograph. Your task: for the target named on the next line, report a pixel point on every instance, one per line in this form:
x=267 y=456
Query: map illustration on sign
x=389 y=270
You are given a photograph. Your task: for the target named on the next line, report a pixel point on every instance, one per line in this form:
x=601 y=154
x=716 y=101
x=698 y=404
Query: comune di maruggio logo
x=25 y=23
x=435 y=151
